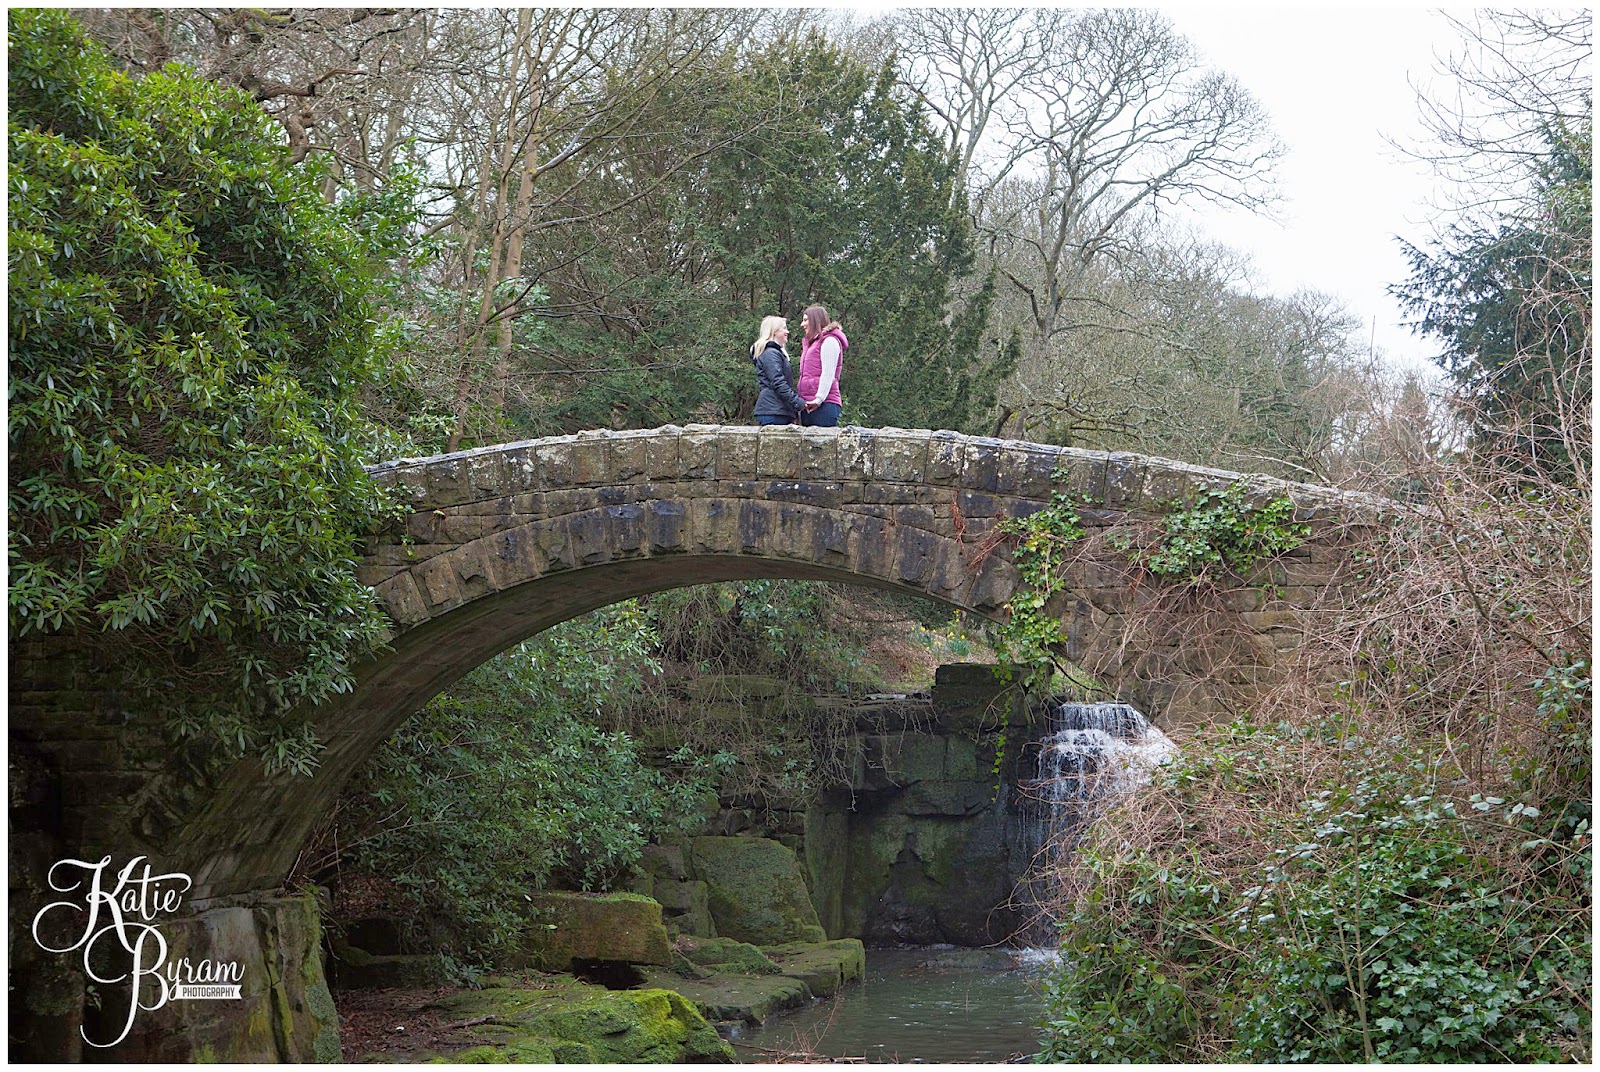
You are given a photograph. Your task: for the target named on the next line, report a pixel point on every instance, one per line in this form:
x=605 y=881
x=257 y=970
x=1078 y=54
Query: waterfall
x=1093 y=753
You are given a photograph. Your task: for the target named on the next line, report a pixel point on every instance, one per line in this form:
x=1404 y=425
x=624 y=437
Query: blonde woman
x=777 y=403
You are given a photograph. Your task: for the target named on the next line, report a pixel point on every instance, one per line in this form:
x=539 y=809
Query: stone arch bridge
x=502 y=542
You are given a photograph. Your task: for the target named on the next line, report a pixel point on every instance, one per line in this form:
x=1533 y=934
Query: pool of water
x=915 y=1005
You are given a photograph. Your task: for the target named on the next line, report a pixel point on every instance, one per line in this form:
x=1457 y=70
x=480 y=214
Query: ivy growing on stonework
x=1029 y=635
x=1218 y=531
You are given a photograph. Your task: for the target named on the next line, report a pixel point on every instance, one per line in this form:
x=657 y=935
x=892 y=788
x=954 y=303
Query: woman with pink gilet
x=821 y=361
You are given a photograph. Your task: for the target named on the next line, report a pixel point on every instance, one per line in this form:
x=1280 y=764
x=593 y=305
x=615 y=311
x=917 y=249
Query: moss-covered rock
x=567 y=927
x=742 y=984
x=685 y=907
x=732 y=998
x=823 y=967
x=727 y=955
x=756 y=890
x=568 y=1022
x=638 y=1027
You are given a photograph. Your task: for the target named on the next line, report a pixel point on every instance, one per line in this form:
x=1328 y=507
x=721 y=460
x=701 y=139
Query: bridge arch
x=502 y=542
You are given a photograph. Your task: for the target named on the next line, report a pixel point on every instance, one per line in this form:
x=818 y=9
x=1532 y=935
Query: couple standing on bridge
x=815 y=398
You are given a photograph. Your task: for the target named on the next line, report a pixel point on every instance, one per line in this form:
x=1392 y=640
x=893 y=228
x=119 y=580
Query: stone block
x=565 y=927
x=591 y=459
x=553 y=461
x=519 y=468
x=756 y=889
x=778 y=454
x=667 y=526
x=627 y=533
x=471 y=570
x=661 y=454
x=1172 y=482
x=403 y=600
x=944 y=458
x=808 y=493
x=588 y=538
x=583 y=1025
x=954 y=800
x=664 y=861
x=854 y=455
x=1083 y=473
x=980 y=463
x=824 y=967
x=870 y=551
x=629 y=458
x=569 y=501
x=913 y=552
x=1027 y=472
x=736 y=453
x=993 y=584
x=728 y=955
x=697 y=455
x=898 y=458
x=757 y=526
x=1125 y=480
x=818 y=456
x=514 y=556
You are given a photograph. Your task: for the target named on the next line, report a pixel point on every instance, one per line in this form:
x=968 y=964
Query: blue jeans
x=765 y=419
x=824 y=416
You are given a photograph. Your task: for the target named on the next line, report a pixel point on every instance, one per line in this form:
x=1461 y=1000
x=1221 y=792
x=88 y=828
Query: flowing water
x=982 y=1006
x=959 y=1006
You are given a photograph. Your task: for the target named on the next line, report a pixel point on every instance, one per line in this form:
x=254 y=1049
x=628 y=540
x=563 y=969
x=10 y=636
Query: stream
x=916 y=1006
x=945 y=1005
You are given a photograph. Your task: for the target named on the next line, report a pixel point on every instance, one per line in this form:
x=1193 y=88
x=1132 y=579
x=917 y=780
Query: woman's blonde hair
x=769 y=328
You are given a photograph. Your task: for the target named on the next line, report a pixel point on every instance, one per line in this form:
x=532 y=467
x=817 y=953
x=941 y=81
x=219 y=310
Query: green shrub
x=1384 y=918
x=504 y=785
x=188 y=334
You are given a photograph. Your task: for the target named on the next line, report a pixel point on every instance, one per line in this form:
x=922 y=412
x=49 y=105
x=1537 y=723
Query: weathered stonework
x=502 y=542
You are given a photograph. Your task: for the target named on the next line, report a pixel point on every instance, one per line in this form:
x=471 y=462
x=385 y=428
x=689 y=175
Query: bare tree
x=971 y=68
x=314 y=69
x=1512 y=77
x=1124 y=122
x=1075 y=129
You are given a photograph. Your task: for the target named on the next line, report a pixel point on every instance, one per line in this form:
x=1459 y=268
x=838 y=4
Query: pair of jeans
x=824 y=416
x=766 y=419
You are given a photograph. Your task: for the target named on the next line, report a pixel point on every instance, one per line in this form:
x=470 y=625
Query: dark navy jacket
x=773 y=373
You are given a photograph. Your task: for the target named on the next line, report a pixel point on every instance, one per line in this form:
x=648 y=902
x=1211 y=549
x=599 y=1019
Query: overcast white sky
x=1334 y=80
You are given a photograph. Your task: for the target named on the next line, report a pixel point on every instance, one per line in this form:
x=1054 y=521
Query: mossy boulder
x=756 y=890
x=584 y=1025
x=685 y=907
x=566 y=927
x=638 y=1027
x=747 y=985
x=727 y=997
x=823 y=967
x=727 y=955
